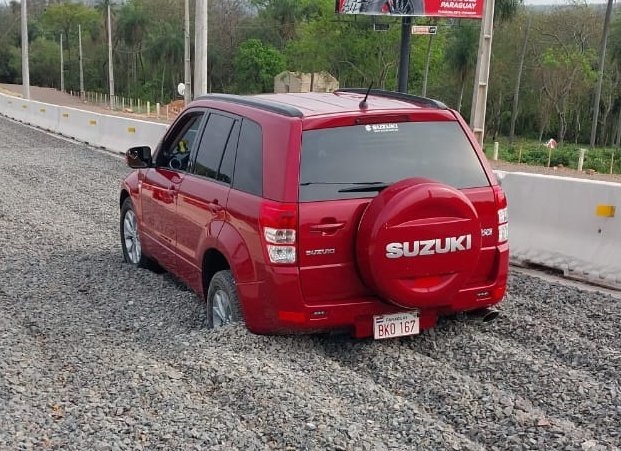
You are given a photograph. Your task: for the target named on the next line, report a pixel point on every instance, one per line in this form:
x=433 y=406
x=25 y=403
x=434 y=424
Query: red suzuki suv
x=371 y=212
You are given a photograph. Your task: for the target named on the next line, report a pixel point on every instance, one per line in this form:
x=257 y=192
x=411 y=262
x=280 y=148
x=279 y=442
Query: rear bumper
x=279 y=308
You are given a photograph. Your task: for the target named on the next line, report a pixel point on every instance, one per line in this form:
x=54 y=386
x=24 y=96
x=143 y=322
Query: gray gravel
x=97 y=355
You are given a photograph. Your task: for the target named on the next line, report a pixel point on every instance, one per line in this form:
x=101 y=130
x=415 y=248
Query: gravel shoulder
x=97 y=355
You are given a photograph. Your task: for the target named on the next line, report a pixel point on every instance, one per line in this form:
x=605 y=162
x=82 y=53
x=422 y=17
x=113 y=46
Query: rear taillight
x=503 y=215
x=503 y=229
x=279 y=223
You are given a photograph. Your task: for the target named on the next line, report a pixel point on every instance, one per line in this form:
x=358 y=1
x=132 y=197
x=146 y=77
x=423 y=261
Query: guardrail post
x=581 y=159
x=495 y=156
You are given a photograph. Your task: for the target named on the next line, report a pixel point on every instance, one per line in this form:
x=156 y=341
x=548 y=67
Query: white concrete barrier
x=100 y=130
x=44 y=116
x=569 y=224
x=122 y=133
x=84 y=126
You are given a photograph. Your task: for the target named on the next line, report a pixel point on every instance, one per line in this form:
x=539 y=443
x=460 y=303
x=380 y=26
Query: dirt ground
x=53 y=96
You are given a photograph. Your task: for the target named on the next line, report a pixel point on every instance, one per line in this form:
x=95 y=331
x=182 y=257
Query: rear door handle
x=327 y=228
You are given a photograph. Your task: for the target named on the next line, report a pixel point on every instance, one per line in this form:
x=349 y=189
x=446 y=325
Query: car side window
x=176 y=149
x=249 y=161
x=225 y=174
x=219 y=132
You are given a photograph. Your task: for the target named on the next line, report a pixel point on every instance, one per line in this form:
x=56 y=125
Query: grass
x=534 y=153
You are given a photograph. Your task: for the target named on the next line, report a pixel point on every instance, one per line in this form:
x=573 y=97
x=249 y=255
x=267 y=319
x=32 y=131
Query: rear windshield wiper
x=358 y=187
x=365 y=187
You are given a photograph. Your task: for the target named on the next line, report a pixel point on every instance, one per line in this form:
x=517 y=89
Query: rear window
x=335 y=159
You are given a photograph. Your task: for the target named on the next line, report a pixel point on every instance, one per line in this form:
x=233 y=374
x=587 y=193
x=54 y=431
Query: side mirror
x=138 y=157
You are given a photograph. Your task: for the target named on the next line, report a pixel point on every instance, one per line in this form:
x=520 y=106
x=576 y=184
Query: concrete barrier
x=100 y=130
x=122 y=133
x=572 y=225
x=46 y=116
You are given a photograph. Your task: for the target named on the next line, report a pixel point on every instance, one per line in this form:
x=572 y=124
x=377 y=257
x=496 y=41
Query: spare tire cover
x=418 y=242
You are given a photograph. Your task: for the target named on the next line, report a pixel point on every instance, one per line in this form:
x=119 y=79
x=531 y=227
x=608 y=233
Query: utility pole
x=600 y=73
x=481 y=79
x=62 y=66
x=427 y=61
x=25 y=65
x=110 y=68
x=404 y=58
x=187 y=94
x=81 y=63
x=200 y=48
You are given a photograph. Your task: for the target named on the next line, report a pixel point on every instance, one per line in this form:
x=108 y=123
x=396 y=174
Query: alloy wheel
x=131 y=238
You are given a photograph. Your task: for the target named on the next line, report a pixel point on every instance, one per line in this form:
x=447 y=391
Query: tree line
x=250 y=41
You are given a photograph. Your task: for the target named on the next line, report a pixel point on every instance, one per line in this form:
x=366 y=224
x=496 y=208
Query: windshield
x=337 y=163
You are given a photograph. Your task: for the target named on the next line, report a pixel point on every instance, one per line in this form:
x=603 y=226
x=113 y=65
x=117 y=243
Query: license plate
x=395 y=325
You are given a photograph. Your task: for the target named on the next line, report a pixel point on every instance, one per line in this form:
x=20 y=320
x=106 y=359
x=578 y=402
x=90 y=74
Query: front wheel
x=222 y=301
x=130 y=238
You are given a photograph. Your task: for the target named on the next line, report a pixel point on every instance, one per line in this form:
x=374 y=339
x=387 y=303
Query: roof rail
x=274 y=107
x=396 y=95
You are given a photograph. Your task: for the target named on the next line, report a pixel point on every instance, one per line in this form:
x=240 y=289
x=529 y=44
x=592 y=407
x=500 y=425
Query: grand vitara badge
x=429 y=247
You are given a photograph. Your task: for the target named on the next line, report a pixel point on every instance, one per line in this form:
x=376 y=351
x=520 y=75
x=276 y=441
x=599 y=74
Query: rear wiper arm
x=365 y=187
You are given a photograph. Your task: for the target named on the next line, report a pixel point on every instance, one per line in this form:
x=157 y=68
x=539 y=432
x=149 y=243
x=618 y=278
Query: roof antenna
x=363 y=104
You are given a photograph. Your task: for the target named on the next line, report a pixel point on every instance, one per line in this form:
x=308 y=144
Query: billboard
x=472 y=9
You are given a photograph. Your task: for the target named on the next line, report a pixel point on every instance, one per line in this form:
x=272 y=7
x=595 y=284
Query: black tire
x=133 y=255
x=222 y=289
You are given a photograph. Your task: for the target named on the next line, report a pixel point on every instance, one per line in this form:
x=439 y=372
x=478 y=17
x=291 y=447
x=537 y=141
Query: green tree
x=256 y=65
x=561 y=70
x=230 y=23
x=615 y=57
x=64 y=18
x=132 y=23
x=461 y=55
x=9 y=40
x=45 y=63
x=506 y=10
x=165 y=52
x=600 y=71
x=351 y=51
x=288 y=14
